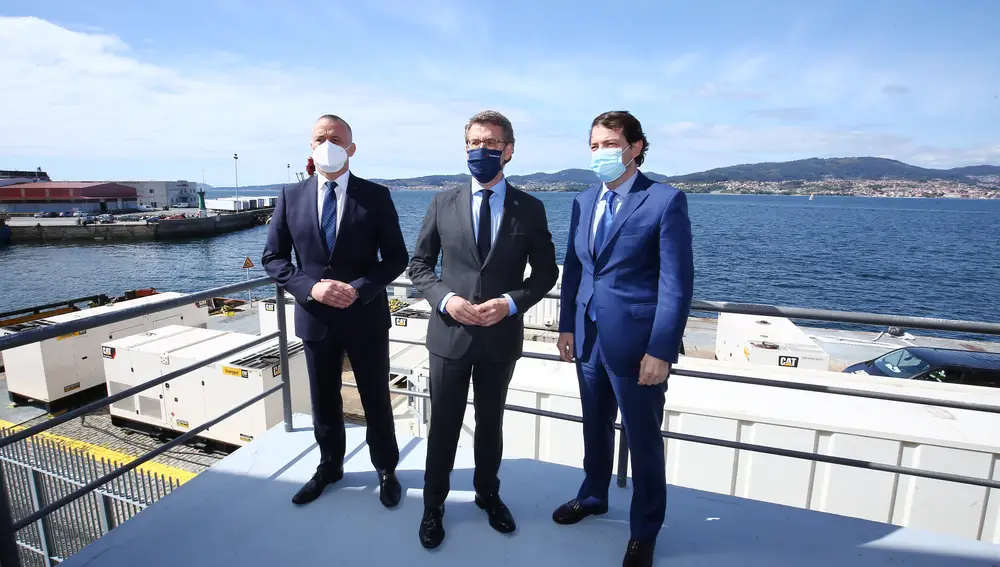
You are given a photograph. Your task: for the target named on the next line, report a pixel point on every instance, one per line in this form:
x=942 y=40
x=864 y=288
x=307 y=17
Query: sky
x=123 y=90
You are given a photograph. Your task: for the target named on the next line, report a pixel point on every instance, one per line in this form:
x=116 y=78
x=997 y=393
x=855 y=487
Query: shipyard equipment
x=769 y=341
x=62 y=371
x=186 y=402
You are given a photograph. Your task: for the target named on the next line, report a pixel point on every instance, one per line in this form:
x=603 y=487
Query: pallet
x=164 y=435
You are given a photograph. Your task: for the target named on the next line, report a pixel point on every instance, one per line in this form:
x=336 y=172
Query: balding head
x=333 y=128
x=336 y=130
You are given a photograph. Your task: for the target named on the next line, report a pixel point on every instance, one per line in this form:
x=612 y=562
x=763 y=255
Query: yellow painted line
x=98 y=452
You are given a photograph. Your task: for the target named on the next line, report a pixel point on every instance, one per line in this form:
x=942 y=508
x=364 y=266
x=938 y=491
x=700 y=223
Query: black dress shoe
x=639 y=554
x=574 y=511
x=315 y=486
x=389 y=490
x=500 y=517
x=432 y=527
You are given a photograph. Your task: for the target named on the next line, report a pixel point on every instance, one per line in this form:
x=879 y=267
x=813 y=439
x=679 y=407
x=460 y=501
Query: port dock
x=25 y=230
x=239 y=512
x=936 y=455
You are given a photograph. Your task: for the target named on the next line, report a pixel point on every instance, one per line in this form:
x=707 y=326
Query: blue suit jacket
x=369 y=228
x=641 y=280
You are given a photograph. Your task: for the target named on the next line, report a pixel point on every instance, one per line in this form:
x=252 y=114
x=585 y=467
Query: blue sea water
x=926 y=257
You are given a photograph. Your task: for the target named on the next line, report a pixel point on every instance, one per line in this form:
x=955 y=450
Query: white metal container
x=50 y=370
x=231 y=382
x=122 y=356
x=133 y=361
x=909 y=435
x=409 y=323
x=267 y=311
x=206 y=393
x=768 y=341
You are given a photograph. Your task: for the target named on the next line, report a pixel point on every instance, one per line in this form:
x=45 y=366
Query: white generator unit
x=191 y=400
x=768 y=341
x=231 y=382
x=137 y=359
x=544 y=315
x=409 y=323
x=267 y=311
x=69 y=365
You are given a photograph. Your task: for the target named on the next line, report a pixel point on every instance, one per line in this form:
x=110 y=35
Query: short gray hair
x=494 y=118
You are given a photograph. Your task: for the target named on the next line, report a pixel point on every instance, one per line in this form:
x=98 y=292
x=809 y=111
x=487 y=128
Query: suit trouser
x=369 y=355
x=449 y=389
x=602 y=393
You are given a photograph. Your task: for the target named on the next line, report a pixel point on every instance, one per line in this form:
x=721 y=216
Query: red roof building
x=65 y=196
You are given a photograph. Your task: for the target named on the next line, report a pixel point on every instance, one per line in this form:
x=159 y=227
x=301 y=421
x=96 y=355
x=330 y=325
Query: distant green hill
x=813 y=169
x=818 y=169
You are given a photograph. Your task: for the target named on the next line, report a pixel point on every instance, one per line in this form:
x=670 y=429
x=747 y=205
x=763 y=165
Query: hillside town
x=987 y=188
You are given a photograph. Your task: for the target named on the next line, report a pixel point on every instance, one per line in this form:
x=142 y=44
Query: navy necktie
x=604 y=226
x=329 y=223
x=485 y=236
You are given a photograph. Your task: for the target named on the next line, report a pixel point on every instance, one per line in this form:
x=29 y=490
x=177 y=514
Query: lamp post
x=289 y=170
x=236 y=162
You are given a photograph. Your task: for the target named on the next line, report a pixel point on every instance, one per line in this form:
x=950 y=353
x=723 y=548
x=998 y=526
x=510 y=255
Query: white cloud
x=73 y=94
x=82 y=95
x=692 y=146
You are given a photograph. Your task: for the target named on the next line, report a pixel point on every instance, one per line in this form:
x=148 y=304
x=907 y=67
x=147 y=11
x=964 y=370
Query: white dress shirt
x=340 y=192
x=496 y=207
x=621 y=191
x=496 y=212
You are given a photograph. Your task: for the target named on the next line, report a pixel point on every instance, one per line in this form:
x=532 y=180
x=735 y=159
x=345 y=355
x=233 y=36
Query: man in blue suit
x=626 y=295
x=339 y=224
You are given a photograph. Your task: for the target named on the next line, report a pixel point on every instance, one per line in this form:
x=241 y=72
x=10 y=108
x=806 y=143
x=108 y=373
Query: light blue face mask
x=607 y=163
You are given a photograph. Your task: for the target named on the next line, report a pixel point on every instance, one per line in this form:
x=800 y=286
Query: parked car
x=954 y=366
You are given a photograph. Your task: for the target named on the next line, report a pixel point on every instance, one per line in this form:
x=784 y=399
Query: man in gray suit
x=486 y=232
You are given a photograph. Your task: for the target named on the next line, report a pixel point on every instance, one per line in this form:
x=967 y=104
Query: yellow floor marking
x=98 y=452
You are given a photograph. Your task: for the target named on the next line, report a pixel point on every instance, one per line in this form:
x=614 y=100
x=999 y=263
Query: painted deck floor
x=239 y=513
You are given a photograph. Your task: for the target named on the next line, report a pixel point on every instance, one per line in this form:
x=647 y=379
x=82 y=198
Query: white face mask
x=329 y=158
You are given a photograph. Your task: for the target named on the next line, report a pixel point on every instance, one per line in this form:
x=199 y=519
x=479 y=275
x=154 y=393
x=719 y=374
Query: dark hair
x=494 y=118
x=628 y=124
x=336 y=118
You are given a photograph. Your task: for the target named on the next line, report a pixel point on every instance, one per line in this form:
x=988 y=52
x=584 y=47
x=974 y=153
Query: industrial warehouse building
x=59 y=197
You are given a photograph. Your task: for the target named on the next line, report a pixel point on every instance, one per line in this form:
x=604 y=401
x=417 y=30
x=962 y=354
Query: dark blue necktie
x=604 y=226
x=329 y=223
x=485 y=237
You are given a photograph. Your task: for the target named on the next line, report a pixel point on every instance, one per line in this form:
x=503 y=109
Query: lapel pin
x=515 y=202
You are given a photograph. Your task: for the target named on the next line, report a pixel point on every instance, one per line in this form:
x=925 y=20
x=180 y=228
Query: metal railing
x=9 y=555
x=42 y=470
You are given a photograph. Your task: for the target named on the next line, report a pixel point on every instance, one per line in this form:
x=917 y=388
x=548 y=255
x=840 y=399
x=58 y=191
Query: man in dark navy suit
x=486 y=233
x=627 y=285
x=338 y=224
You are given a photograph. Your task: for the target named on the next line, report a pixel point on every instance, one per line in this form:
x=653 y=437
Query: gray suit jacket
x=522 y=238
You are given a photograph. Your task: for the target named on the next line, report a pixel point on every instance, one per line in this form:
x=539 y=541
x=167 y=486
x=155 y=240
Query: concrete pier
x=39 y=231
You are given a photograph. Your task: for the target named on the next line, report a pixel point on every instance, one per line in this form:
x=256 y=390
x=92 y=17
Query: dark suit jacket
x=522 y=238
x=641 y=280
x=369 y=226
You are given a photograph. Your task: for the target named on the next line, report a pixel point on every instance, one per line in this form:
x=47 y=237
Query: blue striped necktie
x=329 y=223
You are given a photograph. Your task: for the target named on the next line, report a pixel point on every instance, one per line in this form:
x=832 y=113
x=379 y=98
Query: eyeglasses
x=490 y=143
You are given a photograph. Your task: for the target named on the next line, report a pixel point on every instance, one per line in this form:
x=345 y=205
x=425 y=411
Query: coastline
x=689 y=191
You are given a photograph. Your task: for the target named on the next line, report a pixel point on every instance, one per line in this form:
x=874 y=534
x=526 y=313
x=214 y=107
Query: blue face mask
x=485 y=164
x=607 y=164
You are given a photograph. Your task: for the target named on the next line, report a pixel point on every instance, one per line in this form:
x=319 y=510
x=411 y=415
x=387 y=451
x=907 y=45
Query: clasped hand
x=334 y=293
x=482 y=315
x=652 y=370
